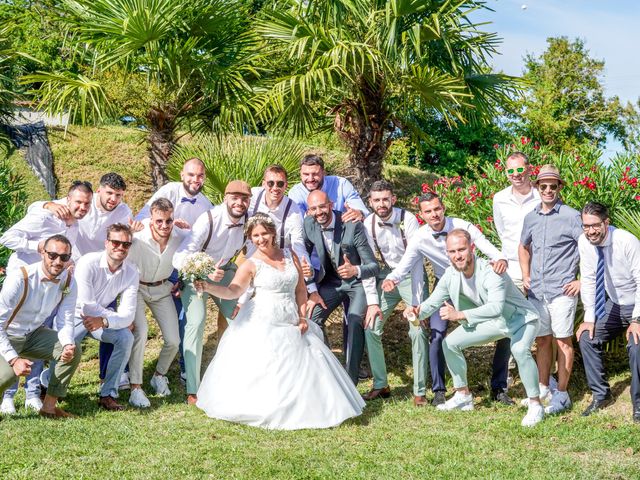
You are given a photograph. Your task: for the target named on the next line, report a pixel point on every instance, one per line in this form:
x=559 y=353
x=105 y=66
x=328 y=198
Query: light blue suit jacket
x=502 y=302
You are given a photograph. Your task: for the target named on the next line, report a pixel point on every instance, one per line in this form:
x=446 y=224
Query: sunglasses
x=511 y=171
x=119 y=243
x=163 y=222
x=279 y=183
x=543 y=186
x=65 y=257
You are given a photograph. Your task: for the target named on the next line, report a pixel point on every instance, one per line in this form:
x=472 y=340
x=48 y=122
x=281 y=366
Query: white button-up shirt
x=509 y=211
x=92 y=228
x=37 y=225
x=224 y=243
x=154 y=265
x=389 y=239
x=98 y=287
x=424 y=245
x=184 y=209
x=621 y=271
x=293 y=234
x=42 y=298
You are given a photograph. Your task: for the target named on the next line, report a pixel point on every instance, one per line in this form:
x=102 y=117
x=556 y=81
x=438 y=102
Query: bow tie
x=437 y=235
x=234 y=225
x=330 y=229
x=385 y=224
x=192 y=201
x=50 y=280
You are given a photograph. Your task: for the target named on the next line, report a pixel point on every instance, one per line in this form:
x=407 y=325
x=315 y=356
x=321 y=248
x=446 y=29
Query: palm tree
x=194 y=55
x=372 y=67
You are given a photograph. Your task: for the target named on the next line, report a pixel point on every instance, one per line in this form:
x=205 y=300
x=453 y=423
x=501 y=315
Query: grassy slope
x=392 y=439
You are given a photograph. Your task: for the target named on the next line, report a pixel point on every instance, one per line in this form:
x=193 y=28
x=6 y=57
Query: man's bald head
x=319 y=207
x=317 y=197
x=193 y=176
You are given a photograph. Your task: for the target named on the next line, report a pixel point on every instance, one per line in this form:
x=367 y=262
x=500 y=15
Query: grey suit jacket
x=349 y=239
x=502 y=302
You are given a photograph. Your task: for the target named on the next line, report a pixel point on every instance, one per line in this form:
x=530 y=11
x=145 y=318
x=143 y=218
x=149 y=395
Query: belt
x=153 y=284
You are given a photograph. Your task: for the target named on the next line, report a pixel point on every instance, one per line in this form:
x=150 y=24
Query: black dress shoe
x=499 y=395
x=438 y=398
x=597 y=404
x=364 y=373
x=636 y=412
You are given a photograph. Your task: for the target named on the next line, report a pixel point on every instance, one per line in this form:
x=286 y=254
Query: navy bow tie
x=192 y=201
x=234 y=225
x=437 y=235
x=385 y=224
x=330 y=229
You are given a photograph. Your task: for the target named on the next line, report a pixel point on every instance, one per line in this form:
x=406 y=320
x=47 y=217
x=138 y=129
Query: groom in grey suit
x=345 y=261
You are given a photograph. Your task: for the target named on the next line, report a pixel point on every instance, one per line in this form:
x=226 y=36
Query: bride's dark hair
x=264 y=220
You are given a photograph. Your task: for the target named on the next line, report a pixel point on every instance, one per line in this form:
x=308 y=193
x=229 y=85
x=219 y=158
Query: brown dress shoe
x=56 y=414
x=419 y=400
x=109 y=403
x=374 y=393
x=192 y=399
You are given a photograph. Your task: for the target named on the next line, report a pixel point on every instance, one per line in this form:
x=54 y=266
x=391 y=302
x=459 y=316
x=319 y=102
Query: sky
x=609 y=28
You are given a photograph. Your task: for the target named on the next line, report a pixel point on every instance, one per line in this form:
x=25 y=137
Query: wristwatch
x=105 y=322
x=635 y=320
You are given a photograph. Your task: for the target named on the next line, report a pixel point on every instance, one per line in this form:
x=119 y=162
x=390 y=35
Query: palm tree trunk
x=161 y=140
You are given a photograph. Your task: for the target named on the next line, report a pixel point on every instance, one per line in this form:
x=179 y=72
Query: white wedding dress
x=266 y=374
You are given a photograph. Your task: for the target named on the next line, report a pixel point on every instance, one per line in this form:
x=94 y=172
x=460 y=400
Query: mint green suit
x=503 y=312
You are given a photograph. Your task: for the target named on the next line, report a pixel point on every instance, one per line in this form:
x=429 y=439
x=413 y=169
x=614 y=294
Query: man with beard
x=610 y=274
x=346 y=260
x=152 y=252
x=220 y=233
x=30 y=295
x=387 y=232
x=188 y=204
x=27 y=238
x=488 y=307
x=430 y=243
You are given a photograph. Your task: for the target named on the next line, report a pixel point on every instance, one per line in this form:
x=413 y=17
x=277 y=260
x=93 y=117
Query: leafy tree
x=191 y=59
x=565 y=104
x=369 y=68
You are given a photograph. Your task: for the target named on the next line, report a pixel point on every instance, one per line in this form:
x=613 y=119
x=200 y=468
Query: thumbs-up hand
x=307 y=271
x=347 y=269
x=135 y=225
x=218 y=273
x=450 y=314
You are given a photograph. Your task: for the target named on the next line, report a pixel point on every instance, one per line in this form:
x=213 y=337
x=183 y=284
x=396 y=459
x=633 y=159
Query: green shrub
x=13 y=201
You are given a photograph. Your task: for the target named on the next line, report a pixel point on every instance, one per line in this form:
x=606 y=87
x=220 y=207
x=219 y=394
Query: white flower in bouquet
x=197 y=266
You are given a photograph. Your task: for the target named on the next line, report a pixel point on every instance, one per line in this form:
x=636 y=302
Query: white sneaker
x=124 y=383
x=160 y=384
x=45 y=376
x=33 y=403
x=545 y=396
x=459 y=401
x=139 y=399
x=553 y=384
x=560 y=402
x=8 y=407
x=534 y=415
x=183 y=378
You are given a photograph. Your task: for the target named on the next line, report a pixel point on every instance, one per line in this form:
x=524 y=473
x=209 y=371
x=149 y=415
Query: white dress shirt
x=98 y=287
x=509 y=211
x=184 y=209
x=37 y=225
x=225 y=242
x=389 y=239
x=293 y=234
x=93 y=226
x=424 y=245
x=621 y=271
x=42 y=298
x=154 y=265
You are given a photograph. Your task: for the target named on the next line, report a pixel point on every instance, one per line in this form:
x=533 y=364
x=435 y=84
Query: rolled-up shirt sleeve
x=9 y=298
x=65 y=316
x=124 y=315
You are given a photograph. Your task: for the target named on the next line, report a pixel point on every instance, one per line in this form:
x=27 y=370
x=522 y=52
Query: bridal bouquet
x=196 y=267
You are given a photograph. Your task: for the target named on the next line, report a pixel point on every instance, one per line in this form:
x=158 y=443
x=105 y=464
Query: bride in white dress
x=272 y=368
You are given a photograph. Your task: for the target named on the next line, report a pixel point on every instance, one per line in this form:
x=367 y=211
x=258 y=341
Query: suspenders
x=284 y=218
x=375 y=238
x=206 y=243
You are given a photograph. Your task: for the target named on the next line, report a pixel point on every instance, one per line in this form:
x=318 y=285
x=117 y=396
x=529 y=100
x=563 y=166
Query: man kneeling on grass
x=488 y=307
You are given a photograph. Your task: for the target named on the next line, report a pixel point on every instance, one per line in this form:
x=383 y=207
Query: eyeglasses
x=511 y=171
x=163 y=222
x=119 y=243
x=65 y=257
x=279 y=183
x=595 y=226
x=552 y=186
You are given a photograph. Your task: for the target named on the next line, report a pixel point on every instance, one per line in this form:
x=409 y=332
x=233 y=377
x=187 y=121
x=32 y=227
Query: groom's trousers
x=196 y=314
x=334 y=292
